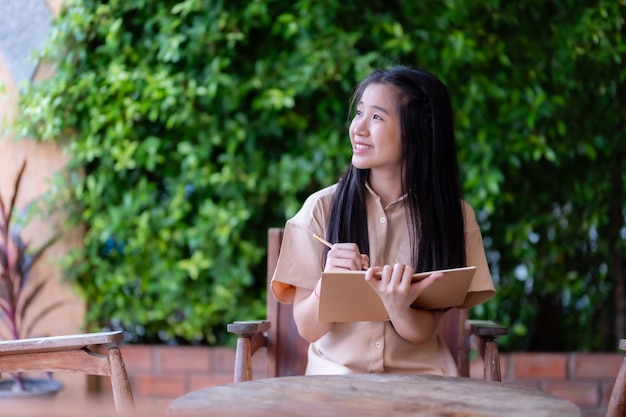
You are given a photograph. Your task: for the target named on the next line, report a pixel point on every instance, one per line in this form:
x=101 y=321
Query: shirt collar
x=376 y=196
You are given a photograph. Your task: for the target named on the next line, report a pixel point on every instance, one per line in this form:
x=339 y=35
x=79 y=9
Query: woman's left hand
x=395 y=286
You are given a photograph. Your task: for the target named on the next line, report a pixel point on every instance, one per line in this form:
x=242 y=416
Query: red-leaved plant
x=16 y=262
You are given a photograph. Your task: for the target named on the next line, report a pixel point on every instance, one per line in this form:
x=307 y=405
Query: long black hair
x=430 y=174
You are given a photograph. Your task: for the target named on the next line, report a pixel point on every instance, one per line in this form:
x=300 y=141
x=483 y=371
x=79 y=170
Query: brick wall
x=583 y=378
x=160 y=373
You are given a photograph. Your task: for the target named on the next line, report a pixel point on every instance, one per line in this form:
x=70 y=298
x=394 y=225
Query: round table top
x=371 y=395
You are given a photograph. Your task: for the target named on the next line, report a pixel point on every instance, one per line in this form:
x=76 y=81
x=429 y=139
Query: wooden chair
x=287 y=351
x=617 y=403
x=73 y=353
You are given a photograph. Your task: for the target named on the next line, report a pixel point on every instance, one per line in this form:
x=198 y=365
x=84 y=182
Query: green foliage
x=193 y=126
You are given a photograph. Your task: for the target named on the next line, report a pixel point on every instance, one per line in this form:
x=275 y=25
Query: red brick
x=607 y=389
x=222 y=360
x=147 y=406
x=209 y=380
x=593 y=412
x=137 y=357
x=596 y=365
x=581 y=393
x=538 y=366
x=167 y=386
x=476 y=368
x=184 y=358
x=528 y=383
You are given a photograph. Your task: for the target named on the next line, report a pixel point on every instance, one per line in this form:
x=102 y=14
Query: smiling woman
x=398 y=209
x=375 y=136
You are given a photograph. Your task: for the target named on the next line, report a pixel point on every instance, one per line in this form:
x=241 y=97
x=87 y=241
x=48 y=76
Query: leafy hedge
x=193 y=126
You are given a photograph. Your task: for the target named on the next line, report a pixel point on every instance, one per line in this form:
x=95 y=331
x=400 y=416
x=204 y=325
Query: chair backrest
x=285 y=343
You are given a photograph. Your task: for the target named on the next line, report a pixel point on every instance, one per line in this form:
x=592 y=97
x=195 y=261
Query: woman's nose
x=359 y=127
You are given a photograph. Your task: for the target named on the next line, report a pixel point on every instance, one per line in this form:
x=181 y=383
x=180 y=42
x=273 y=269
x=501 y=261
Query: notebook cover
x=345 y=296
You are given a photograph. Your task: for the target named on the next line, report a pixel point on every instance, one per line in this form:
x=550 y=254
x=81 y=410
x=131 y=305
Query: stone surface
x=24 y=29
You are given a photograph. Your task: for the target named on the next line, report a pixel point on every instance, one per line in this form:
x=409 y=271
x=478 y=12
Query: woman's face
x=375 y=130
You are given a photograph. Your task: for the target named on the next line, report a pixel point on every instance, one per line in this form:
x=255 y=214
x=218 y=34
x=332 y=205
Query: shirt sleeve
x=300 y=263
x=481 y=288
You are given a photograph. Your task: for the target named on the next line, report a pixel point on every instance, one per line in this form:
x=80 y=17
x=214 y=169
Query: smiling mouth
x=361 y=147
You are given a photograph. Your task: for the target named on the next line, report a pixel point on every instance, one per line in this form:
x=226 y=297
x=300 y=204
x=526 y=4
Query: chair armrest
x=487 y=332
x=250 y=338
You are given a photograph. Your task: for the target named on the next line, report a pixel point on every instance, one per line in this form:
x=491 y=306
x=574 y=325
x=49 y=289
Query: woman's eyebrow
x=382 y=109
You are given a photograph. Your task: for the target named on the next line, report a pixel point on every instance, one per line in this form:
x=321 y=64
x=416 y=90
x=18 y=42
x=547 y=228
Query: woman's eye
x=357 y=113
x=377 y=117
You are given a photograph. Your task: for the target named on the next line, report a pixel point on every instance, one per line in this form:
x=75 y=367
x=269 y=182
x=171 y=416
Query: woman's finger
x=365 y=261
x=345 y=256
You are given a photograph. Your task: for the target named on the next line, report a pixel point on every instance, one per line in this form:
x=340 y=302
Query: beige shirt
x=369 y=347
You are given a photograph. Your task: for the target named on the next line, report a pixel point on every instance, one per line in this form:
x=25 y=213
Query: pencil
x=324 y=241
x=330 y=245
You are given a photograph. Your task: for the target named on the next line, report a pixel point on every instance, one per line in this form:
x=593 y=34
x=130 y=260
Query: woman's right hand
x=346 y=256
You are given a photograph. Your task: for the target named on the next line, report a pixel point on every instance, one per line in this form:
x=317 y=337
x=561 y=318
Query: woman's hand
x=346 y=256
x=395 y=286
x=397 y=292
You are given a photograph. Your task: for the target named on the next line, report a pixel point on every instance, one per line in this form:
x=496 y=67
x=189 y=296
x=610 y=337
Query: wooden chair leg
x=617 y=403
x=491 y=371
x=488 y=331
x=243 y=360
x=122 y=394
x=250 y=338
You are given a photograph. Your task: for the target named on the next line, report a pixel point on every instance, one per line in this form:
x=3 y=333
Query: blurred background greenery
x=193 y=126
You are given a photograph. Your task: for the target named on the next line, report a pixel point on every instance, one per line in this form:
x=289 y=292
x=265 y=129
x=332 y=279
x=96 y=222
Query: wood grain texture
x=72 y=353
x=371 y=395
x=617 y=402
x=59 y=343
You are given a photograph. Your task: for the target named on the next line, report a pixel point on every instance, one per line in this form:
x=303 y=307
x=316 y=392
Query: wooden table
x=371 y=395
x=72 y=353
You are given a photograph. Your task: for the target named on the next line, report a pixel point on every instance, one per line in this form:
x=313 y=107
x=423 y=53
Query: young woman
x=398 y=207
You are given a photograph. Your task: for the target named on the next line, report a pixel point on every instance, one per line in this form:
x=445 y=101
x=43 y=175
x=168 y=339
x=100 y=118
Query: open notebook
x=346 y=296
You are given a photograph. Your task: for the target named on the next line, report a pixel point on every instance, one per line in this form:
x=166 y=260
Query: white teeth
x=360 y=146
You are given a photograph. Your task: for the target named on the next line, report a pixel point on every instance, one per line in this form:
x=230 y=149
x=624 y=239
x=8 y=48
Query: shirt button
x=379 y=345
x=382 y=220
